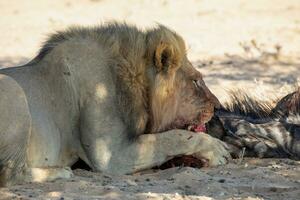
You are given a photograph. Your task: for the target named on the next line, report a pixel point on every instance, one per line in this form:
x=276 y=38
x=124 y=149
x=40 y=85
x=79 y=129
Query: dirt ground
x=253 y=45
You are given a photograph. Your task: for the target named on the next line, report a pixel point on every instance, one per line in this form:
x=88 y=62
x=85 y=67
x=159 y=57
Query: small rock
x=221 y=181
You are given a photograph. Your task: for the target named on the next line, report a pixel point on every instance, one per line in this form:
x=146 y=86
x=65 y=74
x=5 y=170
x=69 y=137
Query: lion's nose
x=215 y=101
x=211 y=97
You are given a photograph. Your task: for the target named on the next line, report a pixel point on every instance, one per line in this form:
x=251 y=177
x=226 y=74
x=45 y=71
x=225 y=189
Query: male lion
x=113 y=96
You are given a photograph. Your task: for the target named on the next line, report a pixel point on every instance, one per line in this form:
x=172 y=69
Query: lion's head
x=178 y=97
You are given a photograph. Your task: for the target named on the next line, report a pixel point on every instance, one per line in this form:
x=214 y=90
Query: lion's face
x=196 y=103
x=179 y=97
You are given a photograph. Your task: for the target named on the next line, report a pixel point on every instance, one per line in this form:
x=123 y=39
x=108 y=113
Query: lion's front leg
x=158 y=148
x=151 y=150
x=108 y=147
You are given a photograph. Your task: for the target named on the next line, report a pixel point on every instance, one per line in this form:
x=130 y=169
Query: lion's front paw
x=215 y=152
x=66 y=172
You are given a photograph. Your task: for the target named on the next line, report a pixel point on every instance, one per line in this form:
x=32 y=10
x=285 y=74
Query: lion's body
x=86 y=95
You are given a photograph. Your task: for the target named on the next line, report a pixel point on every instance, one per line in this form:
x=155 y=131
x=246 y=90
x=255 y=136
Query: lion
x=114 y=96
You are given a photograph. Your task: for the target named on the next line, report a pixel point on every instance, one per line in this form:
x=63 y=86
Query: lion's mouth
x=197 y=125
x=200 y=125
x=197 y=128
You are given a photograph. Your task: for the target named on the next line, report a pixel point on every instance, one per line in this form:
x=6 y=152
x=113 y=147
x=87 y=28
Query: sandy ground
x=252 y=179
x=254 y=45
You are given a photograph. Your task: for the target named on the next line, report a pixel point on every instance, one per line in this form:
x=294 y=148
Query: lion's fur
x=93 y=93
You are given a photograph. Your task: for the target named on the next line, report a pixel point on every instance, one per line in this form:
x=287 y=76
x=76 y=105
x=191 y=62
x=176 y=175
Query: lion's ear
x=166 y=58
